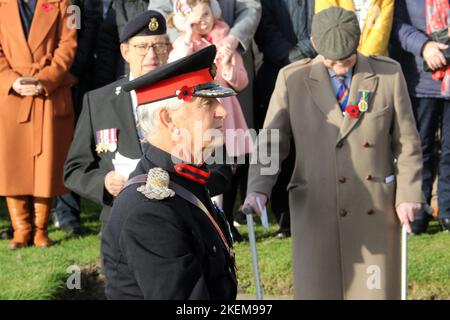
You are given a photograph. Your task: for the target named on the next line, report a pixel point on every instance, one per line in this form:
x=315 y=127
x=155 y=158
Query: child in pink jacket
x=200 y=26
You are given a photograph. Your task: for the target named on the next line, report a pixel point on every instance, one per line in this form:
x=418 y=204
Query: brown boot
x=19 y=211
x=42 y=208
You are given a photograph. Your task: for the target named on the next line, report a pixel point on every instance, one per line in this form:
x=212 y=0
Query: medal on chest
x=106 y=140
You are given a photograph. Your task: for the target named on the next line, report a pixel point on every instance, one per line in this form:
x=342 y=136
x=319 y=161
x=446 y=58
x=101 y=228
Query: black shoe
x=72 y=228
x=419 y=226
x=445 y=224
x=7 y=234
x=67 y=222
x=282 y=233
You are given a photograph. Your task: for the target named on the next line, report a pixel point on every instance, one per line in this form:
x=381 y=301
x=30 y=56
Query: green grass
x=429 y=260
x=33 y=273
x=274 y=259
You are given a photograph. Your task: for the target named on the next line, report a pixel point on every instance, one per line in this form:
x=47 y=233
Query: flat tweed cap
x=335 y=33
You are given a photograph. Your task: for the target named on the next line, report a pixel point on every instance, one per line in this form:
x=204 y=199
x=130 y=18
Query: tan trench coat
x=35 y=131
x=345 y=232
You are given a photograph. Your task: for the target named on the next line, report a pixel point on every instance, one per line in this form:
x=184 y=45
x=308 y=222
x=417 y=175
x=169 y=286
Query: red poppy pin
x=46 y=7
x=353 y=111
x=185 y=93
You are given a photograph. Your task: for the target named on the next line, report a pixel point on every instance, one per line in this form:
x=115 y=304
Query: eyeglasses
x=143 y=48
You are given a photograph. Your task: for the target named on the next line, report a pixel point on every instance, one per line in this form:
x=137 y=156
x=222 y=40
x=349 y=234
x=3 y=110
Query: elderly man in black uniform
x=165 y=238
x=108 y=121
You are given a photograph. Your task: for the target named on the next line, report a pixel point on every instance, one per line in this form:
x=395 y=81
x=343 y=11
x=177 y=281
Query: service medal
x=112 y=147
x=363 y=104
x=98 y=148
x=112 y=140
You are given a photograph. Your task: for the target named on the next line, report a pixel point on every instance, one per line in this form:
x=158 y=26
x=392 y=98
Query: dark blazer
x=84 y=63
x=275 y=38
x=110 y=64
x=165 y=249
x=85 y=169
x=91 y=19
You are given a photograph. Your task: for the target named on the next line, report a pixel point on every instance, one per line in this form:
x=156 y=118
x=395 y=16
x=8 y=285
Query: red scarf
x=437 y=15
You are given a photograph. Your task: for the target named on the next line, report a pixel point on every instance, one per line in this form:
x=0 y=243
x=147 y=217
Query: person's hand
x=191 y=30
x=224 y=55
x=433 y=56
x=114 y=183
x=406 y=212
x=27 y=89
x=230 y=41
x=250 y=201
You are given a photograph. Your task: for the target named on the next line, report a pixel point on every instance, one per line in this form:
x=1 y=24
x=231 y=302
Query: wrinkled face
x=203 y=18
x=201 y=119
x=145 y=53
x=340 y=67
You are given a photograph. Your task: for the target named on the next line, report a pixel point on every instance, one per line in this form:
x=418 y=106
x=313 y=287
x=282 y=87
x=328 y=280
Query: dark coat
x=110 y=64
x=165 y=249
x=84 y=63
x=407 y=40
x=275 y=37
x=85 y=169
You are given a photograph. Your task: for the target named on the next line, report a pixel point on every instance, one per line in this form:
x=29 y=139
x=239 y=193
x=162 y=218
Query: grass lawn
x=33 y=273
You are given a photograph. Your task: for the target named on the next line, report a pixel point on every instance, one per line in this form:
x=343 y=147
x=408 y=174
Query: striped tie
x=342 y=93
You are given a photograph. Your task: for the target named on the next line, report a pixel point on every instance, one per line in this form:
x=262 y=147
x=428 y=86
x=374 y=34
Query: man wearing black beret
x=107 y=125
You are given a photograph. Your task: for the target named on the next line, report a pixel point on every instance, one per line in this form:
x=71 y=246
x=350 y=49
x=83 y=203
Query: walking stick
x=251 y=236
x=404 y=263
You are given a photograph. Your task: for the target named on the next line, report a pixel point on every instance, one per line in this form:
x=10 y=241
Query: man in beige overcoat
x=357 y=176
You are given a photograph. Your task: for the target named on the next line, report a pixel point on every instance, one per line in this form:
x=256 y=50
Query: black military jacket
x=85 y=168
x=165 y=249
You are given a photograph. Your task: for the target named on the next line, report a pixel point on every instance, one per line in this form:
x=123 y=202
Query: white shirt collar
x=134 y=101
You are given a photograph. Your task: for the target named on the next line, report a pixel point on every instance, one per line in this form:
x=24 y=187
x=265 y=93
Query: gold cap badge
x=153 y=24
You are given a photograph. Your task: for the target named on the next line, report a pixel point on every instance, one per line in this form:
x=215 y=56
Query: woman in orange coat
x=37 y=48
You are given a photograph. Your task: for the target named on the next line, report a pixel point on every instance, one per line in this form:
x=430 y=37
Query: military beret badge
x=153 y=25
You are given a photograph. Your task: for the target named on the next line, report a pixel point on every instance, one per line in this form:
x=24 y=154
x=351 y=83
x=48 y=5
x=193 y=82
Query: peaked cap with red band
x=185 y=78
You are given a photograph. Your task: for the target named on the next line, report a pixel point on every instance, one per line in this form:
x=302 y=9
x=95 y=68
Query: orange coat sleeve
x=53 y=75
x=7 y=74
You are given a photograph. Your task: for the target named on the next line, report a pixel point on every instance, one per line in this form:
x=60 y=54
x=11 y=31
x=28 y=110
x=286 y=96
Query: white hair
x=146 y=114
